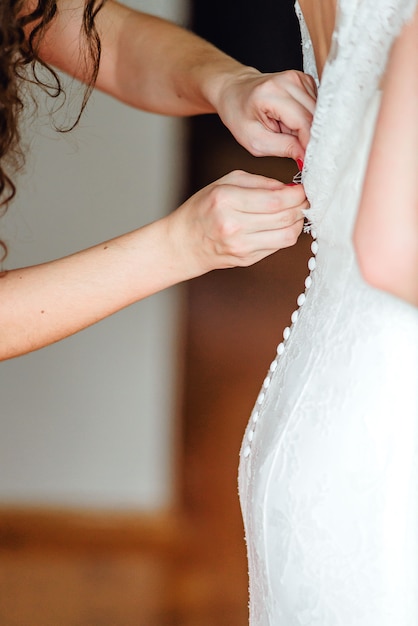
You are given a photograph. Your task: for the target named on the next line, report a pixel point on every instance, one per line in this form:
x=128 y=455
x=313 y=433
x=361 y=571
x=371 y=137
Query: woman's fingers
x=236 y=221
x=270 y=114
x=264 y=243
x=258 y=196
x=240 y=178
x=284 y=112
x=247 y=223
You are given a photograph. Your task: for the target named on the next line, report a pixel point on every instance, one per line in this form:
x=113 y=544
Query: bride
x=329 y=462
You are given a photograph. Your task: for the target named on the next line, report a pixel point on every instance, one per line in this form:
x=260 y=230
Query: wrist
x=220 y=77
x=192 y=247
x=183 y=258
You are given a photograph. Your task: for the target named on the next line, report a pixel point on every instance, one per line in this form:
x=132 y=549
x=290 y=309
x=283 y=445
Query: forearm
x=386 y=233
x=235 y=221
x=154 y=65
x=43 y=304
x=146 y=62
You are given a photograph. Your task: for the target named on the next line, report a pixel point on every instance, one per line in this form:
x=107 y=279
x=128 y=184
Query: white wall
x=89 y=421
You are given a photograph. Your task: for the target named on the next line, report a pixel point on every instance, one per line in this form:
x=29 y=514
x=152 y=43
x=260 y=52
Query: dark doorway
x=234 y=321
x=260 y=33
x=263 y=34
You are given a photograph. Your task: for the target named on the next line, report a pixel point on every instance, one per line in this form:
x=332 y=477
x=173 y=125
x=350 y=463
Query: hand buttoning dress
x=329 y=462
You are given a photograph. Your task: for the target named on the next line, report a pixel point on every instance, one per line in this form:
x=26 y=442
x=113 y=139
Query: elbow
x=8 y=350
x=393 y=268
x=370 y=271
x=368 y=258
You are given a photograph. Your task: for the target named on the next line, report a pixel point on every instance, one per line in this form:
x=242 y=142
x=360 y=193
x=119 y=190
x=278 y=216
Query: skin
x=386 y=233
x=320 y=20
x=48 y=302
x=156 y=66
x=386 y=230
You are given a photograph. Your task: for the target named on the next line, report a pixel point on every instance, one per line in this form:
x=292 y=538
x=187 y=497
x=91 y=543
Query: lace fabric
x=329 y=462
x=309 y=63
x=361 y=43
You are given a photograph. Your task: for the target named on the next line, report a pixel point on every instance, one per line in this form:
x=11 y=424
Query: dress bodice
x=349 y=88
x=329 y=461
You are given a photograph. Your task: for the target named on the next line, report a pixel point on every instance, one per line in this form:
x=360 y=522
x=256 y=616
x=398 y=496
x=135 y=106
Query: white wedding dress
x=329 y=462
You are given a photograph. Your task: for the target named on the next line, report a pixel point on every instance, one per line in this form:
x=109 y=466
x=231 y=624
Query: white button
x=260 y=397
x=255 y=417
x=273 y=366
x=294 y=317
x=250 y=436
x=308 y=282
x=286 y=333
x=314 y=247
x=301 y=299
x=247 y=451
x=280 y=349
x=266 y=382
x=312 y=263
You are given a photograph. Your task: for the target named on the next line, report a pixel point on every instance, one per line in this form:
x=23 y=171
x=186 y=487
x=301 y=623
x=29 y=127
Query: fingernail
x=300 y=164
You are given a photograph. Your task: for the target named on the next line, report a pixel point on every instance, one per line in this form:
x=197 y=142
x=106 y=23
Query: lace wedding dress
x=329 y=462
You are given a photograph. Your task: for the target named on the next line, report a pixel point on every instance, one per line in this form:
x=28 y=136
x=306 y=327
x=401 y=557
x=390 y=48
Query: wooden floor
x=198 y=578
x=58 y=588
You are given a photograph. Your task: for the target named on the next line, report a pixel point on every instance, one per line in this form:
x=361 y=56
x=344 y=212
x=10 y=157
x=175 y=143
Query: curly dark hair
x=21 y=34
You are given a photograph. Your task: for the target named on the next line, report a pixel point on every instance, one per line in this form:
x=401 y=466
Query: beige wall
x=89 y=421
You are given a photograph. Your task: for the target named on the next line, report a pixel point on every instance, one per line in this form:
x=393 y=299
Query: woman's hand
x=236 y=221
x=154 y=65
x=269 y=114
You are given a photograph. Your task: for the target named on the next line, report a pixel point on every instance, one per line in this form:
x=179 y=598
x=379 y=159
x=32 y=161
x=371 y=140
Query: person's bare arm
x=155 y=65
x=217 y=228
x=386 y=232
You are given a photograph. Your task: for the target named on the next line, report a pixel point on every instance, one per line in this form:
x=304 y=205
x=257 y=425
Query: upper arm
x=386 y=231
x=146 y=61
x=63 y=45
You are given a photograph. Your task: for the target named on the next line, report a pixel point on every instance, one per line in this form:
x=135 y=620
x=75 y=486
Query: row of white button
x=280 y=348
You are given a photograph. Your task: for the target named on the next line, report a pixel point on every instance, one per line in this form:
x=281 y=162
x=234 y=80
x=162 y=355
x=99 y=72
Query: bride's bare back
x=320 y=20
